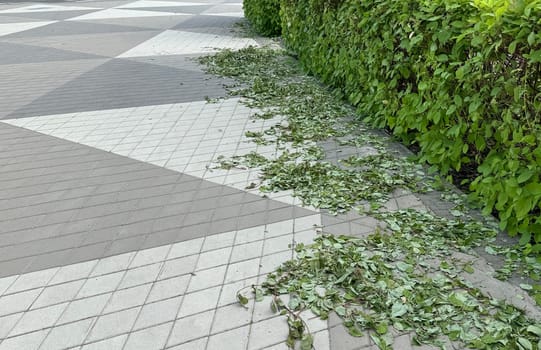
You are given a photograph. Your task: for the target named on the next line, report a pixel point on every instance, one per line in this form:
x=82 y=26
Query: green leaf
x=242 y=299
x=524 y=343
x=398 y=309
x=307 y=341
x=526 y=286
x=534 y=329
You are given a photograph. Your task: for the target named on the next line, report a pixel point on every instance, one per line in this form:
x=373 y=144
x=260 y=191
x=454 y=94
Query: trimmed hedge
x=264 y=16
x=460 y=79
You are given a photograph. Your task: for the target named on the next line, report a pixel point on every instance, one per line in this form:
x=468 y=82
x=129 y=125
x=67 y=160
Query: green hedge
x=460 y=79
x=264 y=16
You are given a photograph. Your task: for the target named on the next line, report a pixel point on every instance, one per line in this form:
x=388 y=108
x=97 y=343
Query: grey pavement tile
x=114 y=343
x=178 y=9
x=128 y=298
x=140 y=275
x=58 y=294
x=23 y=83
x=26 y=341
x=203 y=279
x=68 y=335
x=31 y=280
x=113 y=324
x=205 y=21
x=197 y=344
x=242 y=270
x=197 y=302
x=267 y=332
x=19 y=53
x=190 y=328
x=235 y=339
x=67 y=28
x=123 y=83
x=100 y=284
x=213 y=258
x=178 y=267
x=158 y=312
x=168 y=288
x=7 y=323
x=152 y=338
x=84 y=308
x=18 y=302
x=231 y=316
x=51 y=15
x=38 y=319
x=159 y=22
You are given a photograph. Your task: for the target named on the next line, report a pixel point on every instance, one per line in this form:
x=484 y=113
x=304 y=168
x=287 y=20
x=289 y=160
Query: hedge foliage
x=460 y=79
x=264 y=16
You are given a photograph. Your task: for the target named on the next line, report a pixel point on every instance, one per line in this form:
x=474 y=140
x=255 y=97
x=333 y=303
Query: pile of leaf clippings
x=388 y=280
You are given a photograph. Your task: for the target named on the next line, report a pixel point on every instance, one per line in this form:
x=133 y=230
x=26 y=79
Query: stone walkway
x=114 y=232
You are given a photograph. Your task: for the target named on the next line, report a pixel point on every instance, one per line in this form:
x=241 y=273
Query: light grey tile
x=140 y=275
x=246 y=251
x=68 y=335
x=207 y=278
x=38 y=319
x=84 y=308
x=267 y=332
x=213 y=258
x=168 y=288
x=158 y=312
x=58 y=293
x=150 y=256
x=185 y=248
x=235 y=339
x=152 y=338
x=7 y=323
x=199 y=301
x=112 y=264
x=190 y=328
x=100 y=284
x=242 y=270
x=113 y=324
x=115 y=343
x=32 y=280
x=177 y=267
x=231 y=316
x=73 y=272
x=18 y=302
x=28 y=341
x=127 y=298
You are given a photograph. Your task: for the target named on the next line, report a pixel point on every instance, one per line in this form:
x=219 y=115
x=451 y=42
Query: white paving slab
x=175 y=42
x=10 y=28
x=150 y=311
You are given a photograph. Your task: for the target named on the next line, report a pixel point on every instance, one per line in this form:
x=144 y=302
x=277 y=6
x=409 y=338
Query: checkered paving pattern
x=117 y=231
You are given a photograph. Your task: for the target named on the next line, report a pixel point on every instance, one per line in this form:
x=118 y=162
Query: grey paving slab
x=158 y=22
x=23 y=83
x=73 y=28
x=15 y=18
x=118 y=212
x=206 y=21
x=13 y=53
x=52 y=15
x=176 y=9
x=123 y=83
x=108 y=44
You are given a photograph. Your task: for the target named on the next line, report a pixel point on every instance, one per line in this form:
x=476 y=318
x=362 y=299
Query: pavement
x=114 y=231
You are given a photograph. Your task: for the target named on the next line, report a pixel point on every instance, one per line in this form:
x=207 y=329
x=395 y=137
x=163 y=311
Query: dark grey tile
x=123 y=83
x=13 y=53
x=50 y=15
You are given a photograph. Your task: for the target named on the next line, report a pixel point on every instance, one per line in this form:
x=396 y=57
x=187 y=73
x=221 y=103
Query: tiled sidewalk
x=116 y=231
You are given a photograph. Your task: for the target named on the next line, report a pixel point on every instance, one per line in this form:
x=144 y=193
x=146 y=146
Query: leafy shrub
x=460 y=79
x=264 y=16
